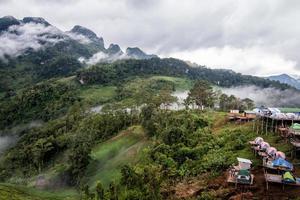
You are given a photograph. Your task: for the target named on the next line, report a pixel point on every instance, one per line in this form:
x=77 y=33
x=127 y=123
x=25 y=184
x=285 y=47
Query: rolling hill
x=286 y=79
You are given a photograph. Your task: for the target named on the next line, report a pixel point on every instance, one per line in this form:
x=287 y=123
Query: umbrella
x=279 y=162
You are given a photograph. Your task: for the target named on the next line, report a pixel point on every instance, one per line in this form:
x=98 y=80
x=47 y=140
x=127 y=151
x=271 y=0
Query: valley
x=79 y=120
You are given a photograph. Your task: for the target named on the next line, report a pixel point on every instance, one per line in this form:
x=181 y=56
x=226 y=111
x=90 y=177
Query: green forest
x=135 y=147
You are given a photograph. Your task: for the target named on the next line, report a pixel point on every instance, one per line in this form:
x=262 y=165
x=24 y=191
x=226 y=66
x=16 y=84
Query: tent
x=244 y=177
x=280 y=154
x=288 y=177
x=264 y=146
x=291 y=115
x=258 y=140
x=295 y=126
x=279 y=162
x=278 y=116
x=271 y=151
x=244 y=164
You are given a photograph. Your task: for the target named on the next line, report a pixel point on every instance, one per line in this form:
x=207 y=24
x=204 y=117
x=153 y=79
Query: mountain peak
x=8 y=21
x=36 y=20
x=137 y=53
x=114 y=49
x=77 y=29
x=9 y=17
x=287 y=79
x=83 y=31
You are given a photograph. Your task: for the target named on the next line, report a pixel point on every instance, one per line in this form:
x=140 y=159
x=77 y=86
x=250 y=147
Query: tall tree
x=248 y=103
x=202 y=94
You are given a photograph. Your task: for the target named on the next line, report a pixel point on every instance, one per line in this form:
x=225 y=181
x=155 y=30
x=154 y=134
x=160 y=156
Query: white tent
x=244 y=163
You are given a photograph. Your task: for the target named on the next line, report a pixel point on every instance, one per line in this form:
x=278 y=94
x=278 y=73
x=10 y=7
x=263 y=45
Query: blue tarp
x=279 y=162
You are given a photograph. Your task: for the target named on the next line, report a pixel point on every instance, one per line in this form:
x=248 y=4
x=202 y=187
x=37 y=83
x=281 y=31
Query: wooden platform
x=275 y=178
x=269 y=165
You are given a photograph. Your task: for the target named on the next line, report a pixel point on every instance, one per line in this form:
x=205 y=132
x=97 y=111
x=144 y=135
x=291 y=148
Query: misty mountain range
x=34 y=34
x=292 y=80
x=32 y=50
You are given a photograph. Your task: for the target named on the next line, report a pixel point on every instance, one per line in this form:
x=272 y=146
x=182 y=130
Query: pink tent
x=280 y=154
x=258 y=140
x=264 y=146
x=271 y=151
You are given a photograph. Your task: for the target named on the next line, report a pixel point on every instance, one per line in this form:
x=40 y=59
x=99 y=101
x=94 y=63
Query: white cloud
x=266 y=96
x=103 y=57
x=80 y=38
x=252 y=60
x=19 y=38
x=168 y=27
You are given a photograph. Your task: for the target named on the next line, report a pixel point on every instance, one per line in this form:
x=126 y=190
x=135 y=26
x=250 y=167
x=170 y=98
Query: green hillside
x=110 y=156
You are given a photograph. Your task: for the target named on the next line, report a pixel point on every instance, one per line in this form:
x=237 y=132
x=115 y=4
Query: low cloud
x=270 y=97
x=6 y=142
x=103 y=57
x=18 y=38
x=78 y=37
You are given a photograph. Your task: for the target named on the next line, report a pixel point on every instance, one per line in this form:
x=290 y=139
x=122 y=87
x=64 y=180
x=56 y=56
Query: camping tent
x=271 y=151
x=264 y=146
x=295 y=126
x=279 y=162
x=258 y=140
x=244 y=177
x=288 y=177
x=244 y=164
x=280 y=154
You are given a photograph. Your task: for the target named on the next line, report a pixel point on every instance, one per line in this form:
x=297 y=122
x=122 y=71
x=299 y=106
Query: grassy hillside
x=180 y=83
x=13 y=192
x=97 y=94
x=108 y=157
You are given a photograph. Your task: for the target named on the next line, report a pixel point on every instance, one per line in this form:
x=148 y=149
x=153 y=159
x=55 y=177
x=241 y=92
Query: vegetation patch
x=97 y=94
x=110 y=156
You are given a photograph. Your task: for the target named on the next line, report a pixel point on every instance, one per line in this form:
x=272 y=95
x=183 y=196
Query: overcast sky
x=249 y=36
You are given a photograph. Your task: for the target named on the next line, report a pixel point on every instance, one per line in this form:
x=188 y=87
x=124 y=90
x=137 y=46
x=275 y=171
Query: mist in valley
x=266 y=96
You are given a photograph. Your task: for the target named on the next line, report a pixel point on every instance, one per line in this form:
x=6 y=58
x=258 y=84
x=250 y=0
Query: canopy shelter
x=244 y=164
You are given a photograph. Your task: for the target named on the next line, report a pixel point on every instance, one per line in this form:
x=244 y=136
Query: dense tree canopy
x=202 y=94
x=121 y=70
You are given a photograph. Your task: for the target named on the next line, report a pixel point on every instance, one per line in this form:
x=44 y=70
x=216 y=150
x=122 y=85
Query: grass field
x=97 y=94
x=13 y=192
x=108 y=157
x=181 y=84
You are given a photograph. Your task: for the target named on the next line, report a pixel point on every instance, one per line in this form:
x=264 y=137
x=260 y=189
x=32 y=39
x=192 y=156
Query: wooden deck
x=275 y=178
